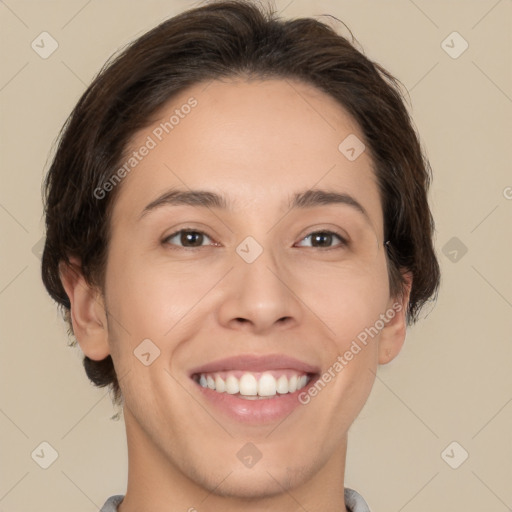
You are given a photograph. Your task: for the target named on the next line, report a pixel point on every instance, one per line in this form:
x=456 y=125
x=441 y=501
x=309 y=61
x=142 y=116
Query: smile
x=254 y=385
x=254 y=389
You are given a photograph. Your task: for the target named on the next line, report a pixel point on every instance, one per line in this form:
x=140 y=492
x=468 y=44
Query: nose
x=259 y=297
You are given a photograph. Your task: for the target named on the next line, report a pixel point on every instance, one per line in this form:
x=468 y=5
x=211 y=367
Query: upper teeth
x=252 y=384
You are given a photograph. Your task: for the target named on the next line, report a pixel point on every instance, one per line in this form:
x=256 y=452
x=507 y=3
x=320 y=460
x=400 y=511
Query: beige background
x=452 y=381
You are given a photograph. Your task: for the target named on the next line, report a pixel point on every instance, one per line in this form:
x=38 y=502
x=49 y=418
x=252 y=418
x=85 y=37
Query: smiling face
x=245 y=233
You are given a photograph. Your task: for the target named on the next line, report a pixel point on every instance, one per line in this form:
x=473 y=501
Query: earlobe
x=87 y=311
x=393 y=334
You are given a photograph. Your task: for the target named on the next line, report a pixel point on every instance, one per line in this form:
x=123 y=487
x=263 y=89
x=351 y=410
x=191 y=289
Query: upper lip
x=256 y=363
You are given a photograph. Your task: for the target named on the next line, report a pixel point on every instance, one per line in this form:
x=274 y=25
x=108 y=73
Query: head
x=290 y=131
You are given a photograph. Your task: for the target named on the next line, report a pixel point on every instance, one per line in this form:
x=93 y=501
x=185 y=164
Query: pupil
x=323 y=238
x=191 y=237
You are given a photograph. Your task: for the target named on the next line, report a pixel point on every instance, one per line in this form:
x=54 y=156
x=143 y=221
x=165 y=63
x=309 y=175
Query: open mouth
x=255 y=389
x=254 y=385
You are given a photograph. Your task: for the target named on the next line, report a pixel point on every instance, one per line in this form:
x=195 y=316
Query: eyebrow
x=206 y=199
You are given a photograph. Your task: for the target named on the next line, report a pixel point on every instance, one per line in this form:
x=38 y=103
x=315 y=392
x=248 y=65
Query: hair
x=216 y=41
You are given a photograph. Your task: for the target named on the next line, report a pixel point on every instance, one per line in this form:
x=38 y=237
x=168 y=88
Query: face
x=262 y=285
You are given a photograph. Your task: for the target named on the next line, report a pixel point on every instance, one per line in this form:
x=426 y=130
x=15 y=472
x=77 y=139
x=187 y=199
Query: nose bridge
x=259 y=267
x=258 y=293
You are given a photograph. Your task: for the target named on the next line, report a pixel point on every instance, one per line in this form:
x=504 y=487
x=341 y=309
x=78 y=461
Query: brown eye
x=323 y=239
x=187 y=238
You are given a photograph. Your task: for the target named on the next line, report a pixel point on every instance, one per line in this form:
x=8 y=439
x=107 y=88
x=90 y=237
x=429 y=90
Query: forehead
x=256 y=142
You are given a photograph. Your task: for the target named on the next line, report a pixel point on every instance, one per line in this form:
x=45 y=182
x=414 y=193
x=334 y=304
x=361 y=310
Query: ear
x=87 y=311
x=393 y=334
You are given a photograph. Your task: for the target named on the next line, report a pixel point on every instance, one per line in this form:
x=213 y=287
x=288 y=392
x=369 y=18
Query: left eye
x=188 y=238
x=323 y=239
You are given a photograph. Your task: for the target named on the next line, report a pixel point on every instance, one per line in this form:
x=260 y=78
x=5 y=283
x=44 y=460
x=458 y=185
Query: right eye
x=187 y=238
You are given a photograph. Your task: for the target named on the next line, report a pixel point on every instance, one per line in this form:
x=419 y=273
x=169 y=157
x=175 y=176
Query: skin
x=257 y=143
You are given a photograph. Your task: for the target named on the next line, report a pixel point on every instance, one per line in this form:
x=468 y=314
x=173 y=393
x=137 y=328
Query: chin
x=256 y=483
x=252 y=486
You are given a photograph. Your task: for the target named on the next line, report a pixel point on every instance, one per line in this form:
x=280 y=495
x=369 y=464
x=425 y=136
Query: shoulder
x=112 y=503
x=355 y=502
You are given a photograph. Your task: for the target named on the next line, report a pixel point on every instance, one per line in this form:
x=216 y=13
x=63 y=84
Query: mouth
x=254 y=385
x=254 y=389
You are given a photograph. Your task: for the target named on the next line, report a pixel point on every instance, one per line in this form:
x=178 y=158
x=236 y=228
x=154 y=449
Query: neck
x=158 y=483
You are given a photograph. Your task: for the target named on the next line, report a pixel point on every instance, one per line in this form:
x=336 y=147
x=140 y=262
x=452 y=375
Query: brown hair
x=219 y=40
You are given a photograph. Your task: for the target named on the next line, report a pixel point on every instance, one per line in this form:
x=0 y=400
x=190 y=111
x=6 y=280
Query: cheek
x=347 y=298
x=147 y=302
x=148 y=298
x=350 y=304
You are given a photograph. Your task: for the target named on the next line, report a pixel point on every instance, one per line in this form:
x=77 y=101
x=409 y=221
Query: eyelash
x=343 y=242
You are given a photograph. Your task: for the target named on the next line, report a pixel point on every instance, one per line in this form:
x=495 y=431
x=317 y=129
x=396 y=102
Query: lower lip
x=259 y=411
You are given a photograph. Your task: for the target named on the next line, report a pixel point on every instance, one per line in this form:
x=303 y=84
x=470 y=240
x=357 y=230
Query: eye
x=323 y=239
x=188 y=238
